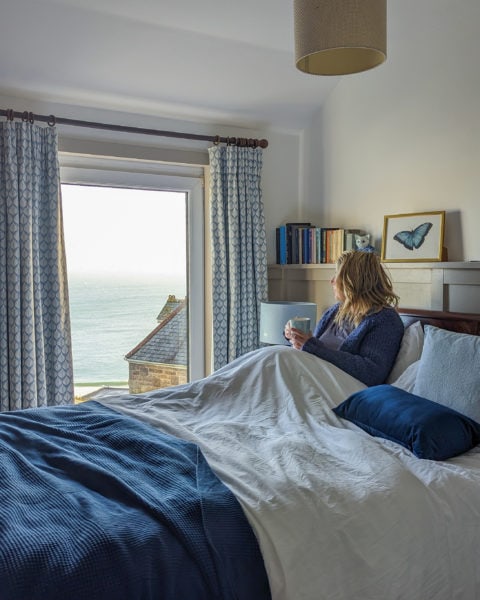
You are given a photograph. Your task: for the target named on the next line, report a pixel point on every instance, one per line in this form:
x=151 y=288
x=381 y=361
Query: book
x=313 y=245
x=281 y=236
x=329 y=244
x=318 y=237
x=306 y=249
x=337 y=243
x=323 y=242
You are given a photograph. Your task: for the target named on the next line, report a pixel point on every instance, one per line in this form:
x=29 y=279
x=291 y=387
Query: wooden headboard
x=460 y=322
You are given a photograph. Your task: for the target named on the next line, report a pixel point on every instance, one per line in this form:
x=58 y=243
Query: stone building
x=160 y=359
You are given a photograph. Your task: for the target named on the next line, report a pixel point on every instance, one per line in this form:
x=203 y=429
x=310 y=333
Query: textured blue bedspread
x=95 y=505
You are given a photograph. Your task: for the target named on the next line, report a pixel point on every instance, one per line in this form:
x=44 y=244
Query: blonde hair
x=365 y=285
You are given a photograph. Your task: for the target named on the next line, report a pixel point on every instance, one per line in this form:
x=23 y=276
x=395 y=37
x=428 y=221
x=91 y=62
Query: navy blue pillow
x=430 y=430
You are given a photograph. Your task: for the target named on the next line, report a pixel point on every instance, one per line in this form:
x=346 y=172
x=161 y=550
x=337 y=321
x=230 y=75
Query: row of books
x=304 y=243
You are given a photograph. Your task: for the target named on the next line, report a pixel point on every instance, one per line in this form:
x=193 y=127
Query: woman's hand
x=298 y=337
x=287 y=331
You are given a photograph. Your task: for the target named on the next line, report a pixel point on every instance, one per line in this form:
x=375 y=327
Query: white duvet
x=339 y=515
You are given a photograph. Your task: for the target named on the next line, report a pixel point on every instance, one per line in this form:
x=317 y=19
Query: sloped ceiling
x=212 y=60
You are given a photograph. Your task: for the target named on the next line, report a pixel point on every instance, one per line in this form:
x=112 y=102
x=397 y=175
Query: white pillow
x=449 y=371
x=410 y=350
x=407 y=379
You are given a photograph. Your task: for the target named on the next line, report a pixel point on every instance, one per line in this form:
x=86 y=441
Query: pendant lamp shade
x=339 y=37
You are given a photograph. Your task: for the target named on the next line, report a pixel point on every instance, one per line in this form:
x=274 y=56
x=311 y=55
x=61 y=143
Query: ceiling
x=221 y=61
x=213 y=61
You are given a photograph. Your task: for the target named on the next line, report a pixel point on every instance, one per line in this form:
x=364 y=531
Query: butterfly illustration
x=413 y=239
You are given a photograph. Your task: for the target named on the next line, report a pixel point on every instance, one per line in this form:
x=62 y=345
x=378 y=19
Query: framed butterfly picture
x=416 y=237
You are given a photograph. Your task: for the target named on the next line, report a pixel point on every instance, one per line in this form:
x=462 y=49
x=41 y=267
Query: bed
x=259 y=481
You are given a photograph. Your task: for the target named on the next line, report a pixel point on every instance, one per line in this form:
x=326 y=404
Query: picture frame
x=414 y=237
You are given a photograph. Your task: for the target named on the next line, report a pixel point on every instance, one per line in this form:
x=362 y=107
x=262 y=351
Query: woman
x=361 y=334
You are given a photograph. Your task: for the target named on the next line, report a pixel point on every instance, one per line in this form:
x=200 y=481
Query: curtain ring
x=51 y=120
x=30 y=118
x=216 y=140
x=9 y=114
x=25 y=116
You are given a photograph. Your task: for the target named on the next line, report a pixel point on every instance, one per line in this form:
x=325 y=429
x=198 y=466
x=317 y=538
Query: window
x=105 y=186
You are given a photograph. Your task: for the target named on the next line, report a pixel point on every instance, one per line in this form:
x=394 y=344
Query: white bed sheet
x=338 y=514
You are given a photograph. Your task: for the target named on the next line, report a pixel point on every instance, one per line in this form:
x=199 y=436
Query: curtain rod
x=52 y=121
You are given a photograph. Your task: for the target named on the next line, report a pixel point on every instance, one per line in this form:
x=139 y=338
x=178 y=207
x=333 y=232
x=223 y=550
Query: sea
x=109 y=317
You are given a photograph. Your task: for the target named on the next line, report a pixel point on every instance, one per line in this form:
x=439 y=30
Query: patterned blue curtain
x=239 y=250
x=35 y=343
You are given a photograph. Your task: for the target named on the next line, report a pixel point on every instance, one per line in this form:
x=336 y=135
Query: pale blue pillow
x=449 y=370
x=410 y=350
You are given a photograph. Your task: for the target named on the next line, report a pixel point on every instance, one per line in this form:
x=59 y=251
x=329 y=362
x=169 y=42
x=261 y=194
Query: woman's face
x=337 y=289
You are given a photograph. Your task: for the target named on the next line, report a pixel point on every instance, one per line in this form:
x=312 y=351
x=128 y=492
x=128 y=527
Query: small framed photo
x=413 y=237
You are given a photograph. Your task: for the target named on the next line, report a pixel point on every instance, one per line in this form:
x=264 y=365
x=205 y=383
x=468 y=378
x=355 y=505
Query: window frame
x=113 y=172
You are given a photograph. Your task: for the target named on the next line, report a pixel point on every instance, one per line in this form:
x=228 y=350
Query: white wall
x=405 y=137
x=281 y=184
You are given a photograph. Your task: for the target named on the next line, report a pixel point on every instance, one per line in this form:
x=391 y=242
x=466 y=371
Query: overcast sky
x=124 y=232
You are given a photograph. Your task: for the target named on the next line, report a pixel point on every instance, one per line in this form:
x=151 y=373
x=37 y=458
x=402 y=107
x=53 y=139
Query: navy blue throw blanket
x=95 y=505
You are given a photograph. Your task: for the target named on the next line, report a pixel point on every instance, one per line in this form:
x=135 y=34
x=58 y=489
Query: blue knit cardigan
x=369 y=352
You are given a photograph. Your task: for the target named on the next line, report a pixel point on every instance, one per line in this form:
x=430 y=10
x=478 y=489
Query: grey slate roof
x=170 y=305
x=167 y=343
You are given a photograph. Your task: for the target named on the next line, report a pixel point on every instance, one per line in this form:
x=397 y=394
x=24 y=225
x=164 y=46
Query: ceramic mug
x=301 y=323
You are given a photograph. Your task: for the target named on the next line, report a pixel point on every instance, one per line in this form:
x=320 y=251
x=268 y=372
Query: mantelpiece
x=446 y=286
